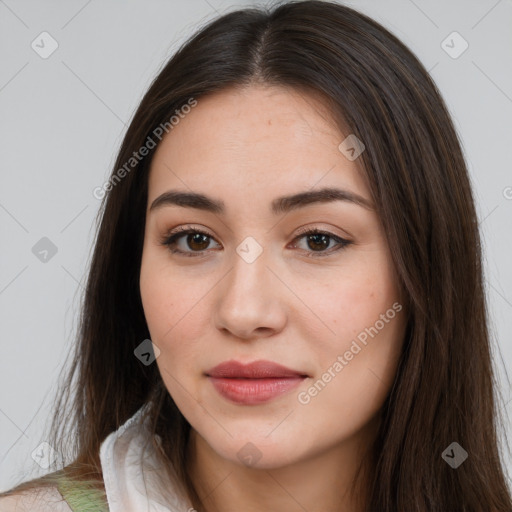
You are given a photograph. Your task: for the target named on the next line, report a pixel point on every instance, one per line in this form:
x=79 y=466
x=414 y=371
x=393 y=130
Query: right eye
x=194 y=238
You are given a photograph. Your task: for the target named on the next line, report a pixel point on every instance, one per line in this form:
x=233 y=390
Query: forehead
x=253 y=140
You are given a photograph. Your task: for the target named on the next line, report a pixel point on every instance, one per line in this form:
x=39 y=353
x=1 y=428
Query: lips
x=255 y=370
x=253 y=383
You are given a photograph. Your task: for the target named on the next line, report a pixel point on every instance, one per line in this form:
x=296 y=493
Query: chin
x=256 y=450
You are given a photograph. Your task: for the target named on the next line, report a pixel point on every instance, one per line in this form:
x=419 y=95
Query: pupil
x=196 y=238
x=323 y=243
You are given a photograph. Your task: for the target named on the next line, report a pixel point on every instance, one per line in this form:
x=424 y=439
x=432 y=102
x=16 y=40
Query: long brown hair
x=445 y=388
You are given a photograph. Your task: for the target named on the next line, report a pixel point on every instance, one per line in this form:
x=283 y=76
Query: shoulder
x=41 y=499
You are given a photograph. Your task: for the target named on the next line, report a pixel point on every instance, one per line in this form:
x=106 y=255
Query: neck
x=323 y=482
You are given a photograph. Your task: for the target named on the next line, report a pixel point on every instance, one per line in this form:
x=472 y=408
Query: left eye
x=199 y=240
x=322 y=239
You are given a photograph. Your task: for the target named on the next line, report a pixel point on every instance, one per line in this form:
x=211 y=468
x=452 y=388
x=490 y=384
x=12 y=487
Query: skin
x=247 y=147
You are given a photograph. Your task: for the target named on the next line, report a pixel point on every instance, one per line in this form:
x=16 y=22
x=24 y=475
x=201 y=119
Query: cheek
x=366 y=319
x=356 y=367
x=353 y=300
x=167 y=299
x=174 y=317
x=176 y=313
x=173 y=329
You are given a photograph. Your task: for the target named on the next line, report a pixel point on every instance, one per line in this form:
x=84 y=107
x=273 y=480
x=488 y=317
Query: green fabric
x=80 y=497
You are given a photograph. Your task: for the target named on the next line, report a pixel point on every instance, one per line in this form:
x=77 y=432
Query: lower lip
x=254 y=391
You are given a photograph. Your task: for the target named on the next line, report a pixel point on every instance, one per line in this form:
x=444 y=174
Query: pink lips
x=255 y=382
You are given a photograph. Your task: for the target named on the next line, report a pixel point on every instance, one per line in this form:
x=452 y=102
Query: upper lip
x=255 y=370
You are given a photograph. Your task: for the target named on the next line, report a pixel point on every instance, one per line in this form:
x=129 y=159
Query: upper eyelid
x=303 y=231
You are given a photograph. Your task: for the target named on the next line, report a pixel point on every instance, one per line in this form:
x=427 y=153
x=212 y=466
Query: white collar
x=134 y=479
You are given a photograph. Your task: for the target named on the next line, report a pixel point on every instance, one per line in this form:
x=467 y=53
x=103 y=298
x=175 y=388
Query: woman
x=285 y=308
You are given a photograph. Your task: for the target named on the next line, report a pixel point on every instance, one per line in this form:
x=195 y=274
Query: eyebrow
x=279 y=205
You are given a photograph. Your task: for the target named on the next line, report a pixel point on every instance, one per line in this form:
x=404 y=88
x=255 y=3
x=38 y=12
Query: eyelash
x=170 y=241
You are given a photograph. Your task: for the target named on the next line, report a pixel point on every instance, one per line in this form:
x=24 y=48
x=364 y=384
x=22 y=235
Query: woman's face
x=255 y=288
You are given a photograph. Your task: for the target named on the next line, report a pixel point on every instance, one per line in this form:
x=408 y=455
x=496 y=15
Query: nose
x=250 y=303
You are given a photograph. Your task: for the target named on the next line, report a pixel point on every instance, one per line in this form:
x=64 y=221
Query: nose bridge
x=248 y=301
x=250 y=272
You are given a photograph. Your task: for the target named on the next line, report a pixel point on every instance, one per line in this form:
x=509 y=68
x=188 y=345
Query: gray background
x=63 y=118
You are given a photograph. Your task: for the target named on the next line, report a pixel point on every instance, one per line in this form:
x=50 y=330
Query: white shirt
x=134 y=481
